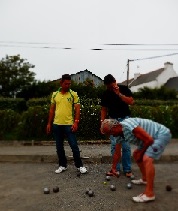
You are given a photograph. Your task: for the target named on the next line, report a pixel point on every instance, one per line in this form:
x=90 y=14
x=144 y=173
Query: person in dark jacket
x=115 y=104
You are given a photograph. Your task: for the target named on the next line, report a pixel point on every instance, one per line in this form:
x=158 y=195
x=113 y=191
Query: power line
x=50 y=45
x=31 y=43
x=94 y=49
x=117 y=44
x=153 y=57
x=139 y=44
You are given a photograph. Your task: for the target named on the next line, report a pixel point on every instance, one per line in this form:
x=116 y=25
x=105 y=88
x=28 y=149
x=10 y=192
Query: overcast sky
x=40 y=30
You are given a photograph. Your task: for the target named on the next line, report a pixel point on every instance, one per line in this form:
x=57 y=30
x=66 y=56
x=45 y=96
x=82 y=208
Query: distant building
x=82 y=76
x=154 y=79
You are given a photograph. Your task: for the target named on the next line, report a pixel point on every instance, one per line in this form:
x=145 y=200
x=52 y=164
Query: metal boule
x=113 y=187
x=129 y=185
x=108 y=178
x=90 y=193
x=46 y=190
x=56 y=189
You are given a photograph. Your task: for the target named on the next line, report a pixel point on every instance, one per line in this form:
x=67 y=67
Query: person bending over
x=151 y=139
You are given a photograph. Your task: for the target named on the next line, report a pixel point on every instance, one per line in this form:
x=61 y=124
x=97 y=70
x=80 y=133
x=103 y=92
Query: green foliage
x=161 y=93
x=153 y=102
x=38 y=102
x=38 y=89
x=89 y=128
x=9 y=122
x=87 y=90
x=14 y=75
x=18 y=105
x=163 y=114
x=174 y=120
x=33 y=123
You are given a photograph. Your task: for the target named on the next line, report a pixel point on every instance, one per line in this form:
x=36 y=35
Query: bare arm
x=126 y=99
x=141 y=134
x=76 y=117
x=77 y=111
x=51 y=117
x=104 y=111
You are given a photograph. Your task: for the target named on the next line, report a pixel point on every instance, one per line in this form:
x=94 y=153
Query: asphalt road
x=22 y=187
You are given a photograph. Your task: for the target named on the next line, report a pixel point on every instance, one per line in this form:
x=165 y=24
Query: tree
x=161 y=93
x=38 y=89
x=15 y=74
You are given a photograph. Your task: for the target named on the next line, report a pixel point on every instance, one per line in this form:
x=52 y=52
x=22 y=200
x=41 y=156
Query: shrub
x=16 y=104
x=33 y=123
x=9 y=123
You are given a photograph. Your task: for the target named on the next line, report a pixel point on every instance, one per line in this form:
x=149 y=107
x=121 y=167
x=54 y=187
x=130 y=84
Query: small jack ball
x=168 y=188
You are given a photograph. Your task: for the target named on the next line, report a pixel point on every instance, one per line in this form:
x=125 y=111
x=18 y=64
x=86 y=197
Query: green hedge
x=9 y=123
x=20 y=105
x=16 y=104
x=31 y=124
x=38 y=102
x=156 y=102
x=165 y=115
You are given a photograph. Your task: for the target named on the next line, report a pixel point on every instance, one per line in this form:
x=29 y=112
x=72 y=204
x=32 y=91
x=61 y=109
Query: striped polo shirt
x=154 y=129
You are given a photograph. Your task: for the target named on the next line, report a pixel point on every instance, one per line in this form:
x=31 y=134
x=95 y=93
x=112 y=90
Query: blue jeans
x=126 y=153
x=60 y=131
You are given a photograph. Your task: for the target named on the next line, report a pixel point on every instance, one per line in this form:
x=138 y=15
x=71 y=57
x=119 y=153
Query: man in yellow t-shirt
x=64 y=117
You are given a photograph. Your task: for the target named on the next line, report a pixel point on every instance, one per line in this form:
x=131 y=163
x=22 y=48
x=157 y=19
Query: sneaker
x=60 y=169
x=138 y=182
x=143 y=198
x=82 y=170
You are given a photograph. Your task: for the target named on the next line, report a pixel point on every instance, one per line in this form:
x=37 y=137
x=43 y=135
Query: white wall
x=168 y=73
x=151 y=84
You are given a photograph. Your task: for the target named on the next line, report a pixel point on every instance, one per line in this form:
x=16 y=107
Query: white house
x=154 y=79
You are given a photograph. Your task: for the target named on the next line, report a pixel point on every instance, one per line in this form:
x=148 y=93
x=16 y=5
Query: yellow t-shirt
x=64 y=113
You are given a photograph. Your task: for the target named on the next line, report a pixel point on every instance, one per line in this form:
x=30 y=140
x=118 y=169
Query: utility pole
x=128 y=72
x=129 y=60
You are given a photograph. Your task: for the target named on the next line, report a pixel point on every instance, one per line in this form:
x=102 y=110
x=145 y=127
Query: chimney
x=136 y=75
x=168 y=65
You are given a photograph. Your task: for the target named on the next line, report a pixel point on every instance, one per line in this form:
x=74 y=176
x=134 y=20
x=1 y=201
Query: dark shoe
x=113 y=173
x=128 y=174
